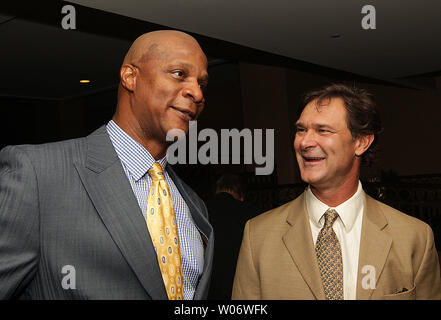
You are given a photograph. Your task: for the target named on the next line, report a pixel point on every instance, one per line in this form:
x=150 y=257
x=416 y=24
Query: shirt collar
x=132 y=154
x=348 y=211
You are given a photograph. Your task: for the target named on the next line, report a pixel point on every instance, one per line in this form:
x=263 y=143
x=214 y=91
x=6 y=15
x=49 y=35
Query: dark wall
x=27 y=121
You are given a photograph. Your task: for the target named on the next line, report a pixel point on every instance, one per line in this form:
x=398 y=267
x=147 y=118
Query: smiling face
x=163 y=78
x=327 y=155
x=169 y=88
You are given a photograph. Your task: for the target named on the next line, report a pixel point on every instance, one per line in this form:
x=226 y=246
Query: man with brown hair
x=334 y=241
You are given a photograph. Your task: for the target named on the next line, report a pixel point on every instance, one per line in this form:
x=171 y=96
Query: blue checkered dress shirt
x=136 y=161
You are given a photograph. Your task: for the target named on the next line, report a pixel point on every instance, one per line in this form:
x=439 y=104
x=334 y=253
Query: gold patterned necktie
x=161 y=223
x=329 y=258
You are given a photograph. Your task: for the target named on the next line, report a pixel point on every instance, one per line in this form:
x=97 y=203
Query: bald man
x=74 y=215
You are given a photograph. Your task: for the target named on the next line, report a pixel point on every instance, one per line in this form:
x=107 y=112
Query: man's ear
x=128 y=75
x=362 y=143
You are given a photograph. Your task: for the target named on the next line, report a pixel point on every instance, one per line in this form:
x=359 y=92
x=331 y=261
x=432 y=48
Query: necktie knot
x=330 y=216
x=156 y=172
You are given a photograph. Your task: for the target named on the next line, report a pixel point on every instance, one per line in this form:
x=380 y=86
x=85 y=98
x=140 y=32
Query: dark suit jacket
x=277 y=259
x=71 y=204
x=228 y=217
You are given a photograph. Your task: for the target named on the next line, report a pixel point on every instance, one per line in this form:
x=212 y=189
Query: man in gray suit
x=72 y=213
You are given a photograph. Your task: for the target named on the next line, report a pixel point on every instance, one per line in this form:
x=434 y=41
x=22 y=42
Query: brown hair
x=363 y=117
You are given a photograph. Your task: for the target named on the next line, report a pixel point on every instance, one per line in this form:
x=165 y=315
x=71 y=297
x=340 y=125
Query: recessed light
x=84 y=81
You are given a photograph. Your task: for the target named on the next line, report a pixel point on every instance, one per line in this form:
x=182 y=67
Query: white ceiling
x=44 y=61
x=406 y=40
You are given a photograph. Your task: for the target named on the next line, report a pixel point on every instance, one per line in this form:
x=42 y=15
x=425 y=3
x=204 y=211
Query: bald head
x=152 y=45
x=162 y=82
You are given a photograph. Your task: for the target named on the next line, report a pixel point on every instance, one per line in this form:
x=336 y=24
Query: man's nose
x=308 y=140
x=194 y=92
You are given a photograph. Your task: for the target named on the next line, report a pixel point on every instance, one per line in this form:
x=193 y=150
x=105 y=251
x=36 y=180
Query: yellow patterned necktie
x=161 y=223
x=329 y=258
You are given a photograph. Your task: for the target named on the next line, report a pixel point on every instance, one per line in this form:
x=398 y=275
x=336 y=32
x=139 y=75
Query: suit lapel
x=299 y=243
x=204 y=228
x=375 y=245
x=106 y=183
x=200 y=221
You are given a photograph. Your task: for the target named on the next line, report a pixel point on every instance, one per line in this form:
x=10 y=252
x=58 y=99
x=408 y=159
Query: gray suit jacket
x=70 y=204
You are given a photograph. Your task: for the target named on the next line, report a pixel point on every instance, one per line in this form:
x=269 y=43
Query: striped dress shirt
x=136 y=161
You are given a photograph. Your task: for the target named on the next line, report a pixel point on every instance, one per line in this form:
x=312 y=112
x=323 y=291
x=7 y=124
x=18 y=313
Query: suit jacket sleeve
x=246 y=280
x=427 y=279
x=19 y=222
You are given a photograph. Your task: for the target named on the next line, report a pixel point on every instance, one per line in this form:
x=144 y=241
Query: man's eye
x=299 y=130
x=324 y=131
x=179 y=73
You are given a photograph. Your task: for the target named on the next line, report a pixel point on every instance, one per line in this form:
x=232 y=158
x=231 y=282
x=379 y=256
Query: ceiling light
x=85 y=81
